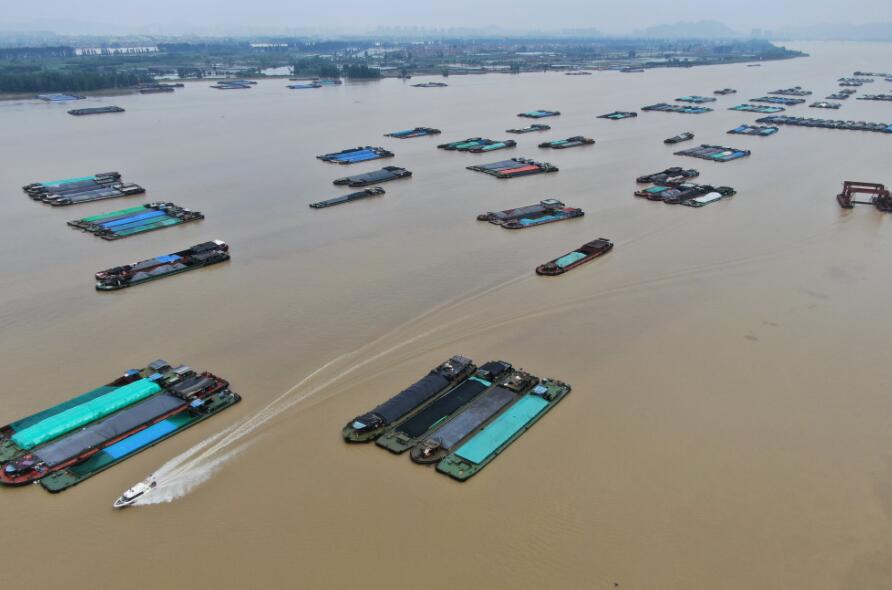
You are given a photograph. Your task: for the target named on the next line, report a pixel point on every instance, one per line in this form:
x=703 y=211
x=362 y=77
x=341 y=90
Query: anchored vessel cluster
x=128 y=275
x=459 y=416
x=68 y=443
x=757 y=130
x=135 y=220
x=827 y=123
x=794 y=91
x=514 y=167
x=83 y=189
x=714 y=153
x=677 y=191
x=478 y=145
x=545 y=211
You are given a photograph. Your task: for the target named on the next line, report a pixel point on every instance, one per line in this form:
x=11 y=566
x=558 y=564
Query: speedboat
x=136 y=492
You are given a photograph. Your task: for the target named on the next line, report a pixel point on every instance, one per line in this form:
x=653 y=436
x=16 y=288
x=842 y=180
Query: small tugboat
x=586 y=253
x=135 y=493
x=679 y=138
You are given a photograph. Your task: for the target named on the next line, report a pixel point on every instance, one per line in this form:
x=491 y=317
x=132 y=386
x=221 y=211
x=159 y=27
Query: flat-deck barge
x=385 y=174
x=95 y=111
x=529 y=129
x=585 y=253
x=514 y=167
x=198 y=256
x=663 y=107
x=358 y=154
x=570 y=142
x=359 y=195
x=714 y=153
x=479 y=451
x=447 y=435
x=416 y=132
x=539 y=114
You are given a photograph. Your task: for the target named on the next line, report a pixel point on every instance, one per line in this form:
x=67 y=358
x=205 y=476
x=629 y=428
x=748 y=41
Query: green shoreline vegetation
x=119 y=65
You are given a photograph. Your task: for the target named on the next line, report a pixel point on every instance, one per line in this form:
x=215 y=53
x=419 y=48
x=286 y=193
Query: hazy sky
x=612 y=17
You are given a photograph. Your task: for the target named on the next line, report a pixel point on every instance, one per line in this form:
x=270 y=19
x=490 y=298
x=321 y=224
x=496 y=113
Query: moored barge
x=539 y=114
x=410 y=401
x=514 y=167
x=529 y=129
x=416 y=132
x=686 y=136
x=546 y=211
x=135 y=220
x=108 y=420
x=198 y=256
x=95 y=111
x=447 y=435
x=475 y=454
x=560 y=144
x=585 y=253
x=385 y=174
x=363 y=194
x=714 y=153
x=354 y=155
x=676 y=173
x=403 y=436
x=619 y=115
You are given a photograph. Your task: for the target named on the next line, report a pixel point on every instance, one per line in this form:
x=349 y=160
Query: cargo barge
x=879 y=97
x=674 y=174
x=714 y=153
x=529 y=129
x=10 y=434
x=686 y=193
x=410 y=401
x=757 y=130
x=417 y=132
x=402 y=437
x=385 y=174
x=562 y=144
x=663 y=107
x=787 y=102
x=827 y=124
x=354 y=155
x=514 y=167
x=95 y=111
x=84 y=190
x=446 y=436
x=198 y=256
x=430 y=85
x=686 y=136
x=36 y=188
x=135 y=220
x=539 y=114
x=725 y=91
x=756 y=108
x=842 y=94
x=585 y=253
x=59 y=97
x=823 y=104
x=794 y=91
x=363 y=194
x=545 y=211
x=195 y=412
x=696 y=99
x=304 y=86
x=487 y=444
x=73 y=436
x=619 y=115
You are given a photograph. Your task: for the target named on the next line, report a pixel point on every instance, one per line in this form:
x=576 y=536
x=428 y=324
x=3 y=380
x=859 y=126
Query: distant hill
x=704 y=29
x=837 y=32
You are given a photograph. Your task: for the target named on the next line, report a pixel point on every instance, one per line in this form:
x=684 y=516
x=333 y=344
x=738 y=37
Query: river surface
x=729 y=421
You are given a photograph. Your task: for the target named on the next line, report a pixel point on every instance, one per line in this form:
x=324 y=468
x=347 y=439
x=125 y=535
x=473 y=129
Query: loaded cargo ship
x=404 y=436
x=198 y=256
x=407 y=403
x=77 y=439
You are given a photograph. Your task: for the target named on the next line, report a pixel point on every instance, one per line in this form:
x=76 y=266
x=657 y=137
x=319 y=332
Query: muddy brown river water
x=729 y=421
